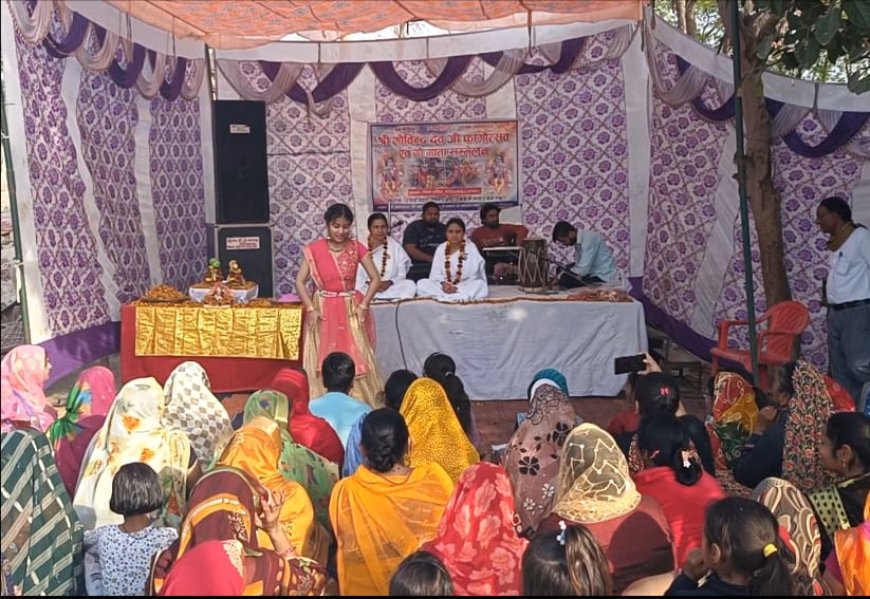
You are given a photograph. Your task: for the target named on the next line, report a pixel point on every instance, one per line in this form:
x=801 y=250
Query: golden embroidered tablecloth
x=240 y=332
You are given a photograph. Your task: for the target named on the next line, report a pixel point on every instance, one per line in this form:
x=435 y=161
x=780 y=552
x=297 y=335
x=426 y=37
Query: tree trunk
x=764 y=199
x=691 y=23
x=680 y=9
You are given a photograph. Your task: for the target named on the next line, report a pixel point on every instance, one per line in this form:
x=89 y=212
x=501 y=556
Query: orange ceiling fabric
x=248 y=23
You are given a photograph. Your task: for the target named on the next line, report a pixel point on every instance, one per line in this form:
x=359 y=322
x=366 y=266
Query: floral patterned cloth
x=733 y=418
x=809 y=411
x=134 y=432
x=532 y=456
x=478 y=541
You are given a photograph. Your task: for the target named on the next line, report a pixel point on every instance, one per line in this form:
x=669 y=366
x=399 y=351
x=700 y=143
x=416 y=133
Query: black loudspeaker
x=241 y=172
x=251 y=247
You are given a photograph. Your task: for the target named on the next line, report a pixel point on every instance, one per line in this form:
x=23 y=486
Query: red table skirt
x=227 y=375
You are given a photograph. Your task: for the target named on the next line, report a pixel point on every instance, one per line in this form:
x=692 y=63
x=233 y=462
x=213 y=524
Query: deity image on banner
x=390 y=176
x=498 y=170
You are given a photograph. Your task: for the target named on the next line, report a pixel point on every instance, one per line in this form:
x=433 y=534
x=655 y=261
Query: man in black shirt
x=422 y=238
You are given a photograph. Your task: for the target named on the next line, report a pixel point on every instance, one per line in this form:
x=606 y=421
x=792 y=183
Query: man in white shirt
x=847 y=295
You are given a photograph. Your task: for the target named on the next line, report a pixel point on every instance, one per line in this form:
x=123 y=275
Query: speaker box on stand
x=242 y=232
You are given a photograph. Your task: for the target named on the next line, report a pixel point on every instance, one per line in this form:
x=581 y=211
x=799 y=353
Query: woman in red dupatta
x=308 y=430
x=478 y=541
x=338 y=316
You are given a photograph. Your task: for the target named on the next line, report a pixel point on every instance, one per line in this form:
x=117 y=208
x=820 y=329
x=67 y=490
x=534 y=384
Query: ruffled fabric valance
x=843 y=128
x=65 y=33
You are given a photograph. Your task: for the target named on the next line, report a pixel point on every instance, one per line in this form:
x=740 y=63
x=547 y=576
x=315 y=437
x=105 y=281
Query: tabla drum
x=533 y=272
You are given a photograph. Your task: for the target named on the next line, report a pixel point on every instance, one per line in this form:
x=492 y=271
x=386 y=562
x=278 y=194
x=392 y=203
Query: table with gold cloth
x=241 y=348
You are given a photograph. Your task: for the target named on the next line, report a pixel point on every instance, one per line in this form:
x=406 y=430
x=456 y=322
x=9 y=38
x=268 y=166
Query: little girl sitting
x=118 y=557
x=741 y=554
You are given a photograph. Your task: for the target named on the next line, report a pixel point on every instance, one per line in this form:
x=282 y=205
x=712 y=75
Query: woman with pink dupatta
x=23 y=404
x=338 y=316
x=87 y=404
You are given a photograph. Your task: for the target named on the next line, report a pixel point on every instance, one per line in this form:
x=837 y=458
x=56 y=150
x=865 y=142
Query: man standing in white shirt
x=847 y=295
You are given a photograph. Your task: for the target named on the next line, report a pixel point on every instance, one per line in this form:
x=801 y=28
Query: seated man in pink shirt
x=491 y=234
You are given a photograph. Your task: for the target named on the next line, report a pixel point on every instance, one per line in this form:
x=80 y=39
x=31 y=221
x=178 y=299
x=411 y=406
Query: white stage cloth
x=501 y=342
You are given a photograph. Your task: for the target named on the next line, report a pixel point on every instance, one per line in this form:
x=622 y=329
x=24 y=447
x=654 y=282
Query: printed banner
x=458 y=165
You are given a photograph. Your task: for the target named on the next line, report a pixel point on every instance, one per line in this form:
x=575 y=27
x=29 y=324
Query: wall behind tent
x=116 y=191
x=573 y=150
x=694 y=263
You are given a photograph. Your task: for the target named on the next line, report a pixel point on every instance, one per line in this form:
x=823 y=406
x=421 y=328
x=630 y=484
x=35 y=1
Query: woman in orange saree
x=338 y=316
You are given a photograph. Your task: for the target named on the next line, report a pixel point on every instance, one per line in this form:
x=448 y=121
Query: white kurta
x=471 y=286
x=398 y=263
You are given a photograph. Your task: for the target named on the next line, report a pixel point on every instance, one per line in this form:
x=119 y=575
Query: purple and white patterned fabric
x=73 y=294
x=177 y=190
x=574 y=148
x=107 y=118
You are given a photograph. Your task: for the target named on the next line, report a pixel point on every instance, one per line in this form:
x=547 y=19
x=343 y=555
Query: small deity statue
x=213 y=274
x=235 y=279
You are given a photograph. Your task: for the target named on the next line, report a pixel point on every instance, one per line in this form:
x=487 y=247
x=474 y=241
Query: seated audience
x=223 y=507
x=566 y=562
x=847 y=569
x=627 y=421
x=306 y=428
x=594 y=489
x=391 y=260
x=338 y=408
x=742 y=554
x=421 y=574
x=386 y=510
x=700 y=440
x=23 y=404
x=135 y=432
x=655 y=393
x=436 y=435
x=191 y=407
x=845 y=451
x=353 y=457
x=799 y=530
x=793 y=421
x=396 y=387
x=457 y=272
x=123 y=553
x=41 y=534
x=442 y=369
x=87 y=404
x=733 y=414
x=478 y=542
x=255 y=450
x=532 y=455
x=297 y=463
x=674 y=477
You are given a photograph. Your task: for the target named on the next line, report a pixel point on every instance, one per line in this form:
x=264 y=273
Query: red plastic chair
x=782 y=325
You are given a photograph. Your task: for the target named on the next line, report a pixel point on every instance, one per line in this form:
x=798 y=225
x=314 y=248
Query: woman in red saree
x=338 y=316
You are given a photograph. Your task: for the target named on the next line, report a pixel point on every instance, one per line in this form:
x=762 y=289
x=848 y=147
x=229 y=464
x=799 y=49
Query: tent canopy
x=249 y=23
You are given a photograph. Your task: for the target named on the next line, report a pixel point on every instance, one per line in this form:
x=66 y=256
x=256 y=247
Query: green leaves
x=807 y=52
x=828 y=25
x=858 y=12
x=859 y=84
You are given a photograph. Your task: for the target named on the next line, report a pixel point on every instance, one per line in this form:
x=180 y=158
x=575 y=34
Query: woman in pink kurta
x=338 y=316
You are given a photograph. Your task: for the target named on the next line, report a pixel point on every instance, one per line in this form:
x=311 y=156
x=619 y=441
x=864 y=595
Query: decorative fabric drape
x=843 y=127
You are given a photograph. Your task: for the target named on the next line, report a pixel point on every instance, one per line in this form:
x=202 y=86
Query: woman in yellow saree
x=436 y=434
x=386 y=510
x=255 y=449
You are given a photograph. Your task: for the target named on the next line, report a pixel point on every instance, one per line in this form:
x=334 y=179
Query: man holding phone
x=593 y=260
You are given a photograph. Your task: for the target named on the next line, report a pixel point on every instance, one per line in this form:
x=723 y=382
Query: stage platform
x=501 y=342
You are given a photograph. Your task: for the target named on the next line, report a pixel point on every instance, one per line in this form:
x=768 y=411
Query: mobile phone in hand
x=628 y=364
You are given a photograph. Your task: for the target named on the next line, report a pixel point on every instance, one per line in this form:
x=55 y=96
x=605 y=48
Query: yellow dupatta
x=381 y=519
x=436 y=434
x=254 y=449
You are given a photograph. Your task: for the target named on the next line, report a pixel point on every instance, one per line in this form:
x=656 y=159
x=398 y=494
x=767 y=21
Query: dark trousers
x=849 y=348
x=569 y=280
